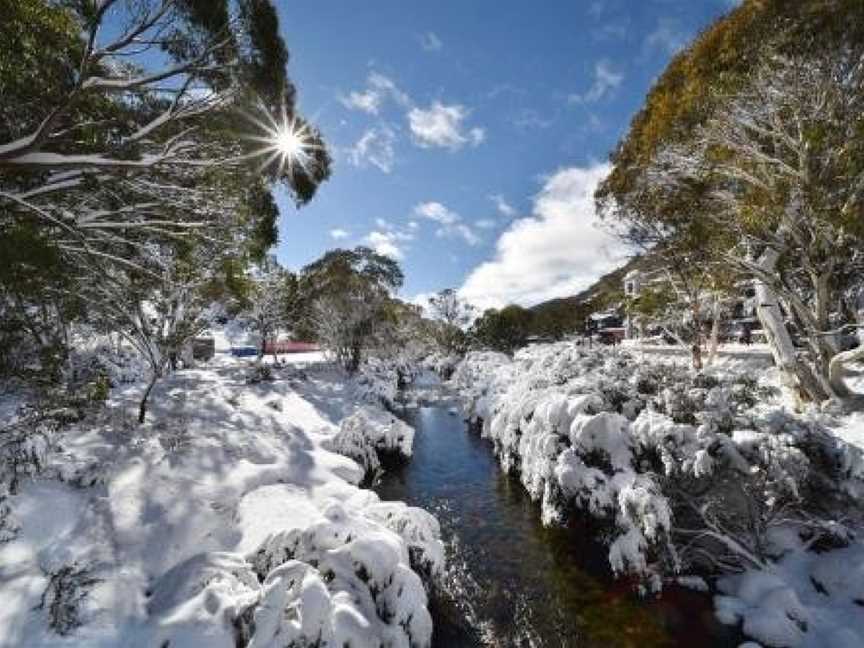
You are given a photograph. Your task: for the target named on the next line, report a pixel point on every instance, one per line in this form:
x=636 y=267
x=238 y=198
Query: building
x=740 y=323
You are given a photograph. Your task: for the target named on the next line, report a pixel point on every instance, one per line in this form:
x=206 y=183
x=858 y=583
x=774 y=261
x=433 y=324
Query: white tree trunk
x=794 y=376
x=837 y=373
x=836 y=368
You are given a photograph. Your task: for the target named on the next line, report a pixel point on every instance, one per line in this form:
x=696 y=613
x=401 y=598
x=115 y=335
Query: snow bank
x=805 y=600
x=378 y=381
x=684 y=472
x=137 y=535
x=346 y=578
x=443 y=365
x=370 y=436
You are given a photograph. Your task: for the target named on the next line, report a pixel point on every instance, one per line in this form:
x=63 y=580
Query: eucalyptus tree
x=762 y=113
x=348 y=293
x=786 y=159
x=452 y=314
x=272 y=303
x=139 y=138
x=670 y=222
x=502 y=330
x=135 y=122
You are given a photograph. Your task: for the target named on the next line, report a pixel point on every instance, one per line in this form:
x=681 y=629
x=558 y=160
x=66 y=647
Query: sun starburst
x=286 y=140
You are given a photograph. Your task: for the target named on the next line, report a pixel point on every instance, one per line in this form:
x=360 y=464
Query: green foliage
x=652 y=302
x=559 y=318
x=99 y=389
x=452 y=315
x=717 y=64
x=347 y=300
x=340 y=271
x=502 y=330
x=38 y=50
x=165 y=198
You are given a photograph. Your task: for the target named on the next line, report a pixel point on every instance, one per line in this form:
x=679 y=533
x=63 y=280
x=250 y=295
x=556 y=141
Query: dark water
x=512 y=582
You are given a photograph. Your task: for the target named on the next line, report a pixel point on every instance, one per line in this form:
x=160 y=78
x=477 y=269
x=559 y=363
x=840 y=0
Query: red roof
x=290 y=347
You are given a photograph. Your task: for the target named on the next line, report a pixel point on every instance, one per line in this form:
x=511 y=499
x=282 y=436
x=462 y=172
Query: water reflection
x=512 y=582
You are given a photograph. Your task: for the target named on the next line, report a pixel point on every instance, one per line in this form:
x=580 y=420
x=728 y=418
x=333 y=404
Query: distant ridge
x=606 y=286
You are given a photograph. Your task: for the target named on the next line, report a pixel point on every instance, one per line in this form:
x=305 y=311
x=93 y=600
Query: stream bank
x=513 y=582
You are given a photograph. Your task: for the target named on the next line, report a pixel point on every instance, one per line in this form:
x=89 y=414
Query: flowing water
x=512 y=582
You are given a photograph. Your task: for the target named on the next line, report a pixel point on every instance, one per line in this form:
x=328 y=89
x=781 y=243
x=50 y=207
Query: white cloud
x=557 y=251
x=669 y=36
x=504 y=208
x=430 y=42
x=442 y=126
x=451 y=225
x=388 y=239
x=437 y=212
x=611 y=31
x=385 y=243
x=606 y=81
x=375 y=147
x=371 y=99
x=485 y=223
x=368 y=101
x=459 y=230
x=385 y=85
x=339 y=233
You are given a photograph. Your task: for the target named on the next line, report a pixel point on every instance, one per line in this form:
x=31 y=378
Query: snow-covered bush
x=259 y=372
x=371 y=436
x=94 y=356
x=24 y=450
x=379 y=381
x=444 y=365
x=348 y=580
x=67 y=588
x=345 y=580
x=684 y=471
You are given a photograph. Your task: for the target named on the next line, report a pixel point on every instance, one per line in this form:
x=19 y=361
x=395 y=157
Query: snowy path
x=219 y=467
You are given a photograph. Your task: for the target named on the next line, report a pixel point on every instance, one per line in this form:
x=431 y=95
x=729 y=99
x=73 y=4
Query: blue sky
x=468 y=136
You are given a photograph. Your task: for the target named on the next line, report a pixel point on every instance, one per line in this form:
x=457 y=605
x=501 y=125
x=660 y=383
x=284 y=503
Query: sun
x=288 y=142
x=283 y=139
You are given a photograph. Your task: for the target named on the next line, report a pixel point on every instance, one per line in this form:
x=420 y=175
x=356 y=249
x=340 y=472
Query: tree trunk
x=838 y=363
x=794 y=374
x=142 y=407
x=696 y=347
x=836 y=373
x=715 y=331
x=354 y=359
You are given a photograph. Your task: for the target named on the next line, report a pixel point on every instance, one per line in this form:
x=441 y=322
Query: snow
x=807 y=600
x=370 y=433
x=620 y=434
x=138 y=535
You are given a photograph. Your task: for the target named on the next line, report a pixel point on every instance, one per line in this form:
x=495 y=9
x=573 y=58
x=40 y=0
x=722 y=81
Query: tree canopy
x=747 y=156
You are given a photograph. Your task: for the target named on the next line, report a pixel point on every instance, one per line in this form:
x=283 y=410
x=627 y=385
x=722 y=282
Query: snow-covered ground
x=632 y=438
x=225 y=520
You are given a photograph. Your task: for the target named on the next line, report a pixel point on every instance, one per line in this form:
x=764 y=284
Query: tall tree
x=348 y=292
x=452 y=314
x=272 y=303
x=786 y=159
x=114 y=133
x=706 y=123
x=502 y=330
